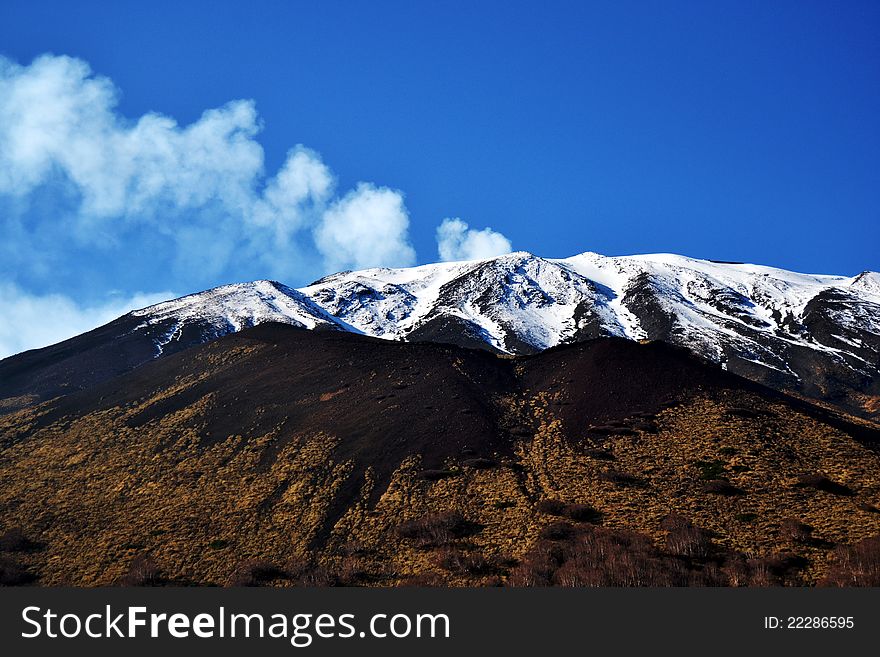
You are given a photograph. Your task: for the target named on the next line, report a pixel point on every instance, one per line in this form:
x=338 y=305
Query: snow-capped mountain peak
x=231 y=308
x=812 y=333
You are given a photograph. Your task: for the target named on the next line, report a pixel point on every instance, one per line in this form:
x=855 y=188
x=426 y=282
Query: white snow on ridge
x=520 y=299
x=867 y=283
x=771 y=295
x=241 y=305
x=231 y=308
x=383 y=302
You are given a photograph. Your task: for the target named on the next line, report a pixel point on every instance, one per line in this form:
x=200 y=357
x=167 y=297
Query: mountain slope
x=814 y=335
x=389 y=463
x=142 y=335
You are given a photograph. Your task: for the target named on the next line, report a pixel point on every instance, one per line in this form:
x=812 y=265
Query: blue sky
x=740 y=131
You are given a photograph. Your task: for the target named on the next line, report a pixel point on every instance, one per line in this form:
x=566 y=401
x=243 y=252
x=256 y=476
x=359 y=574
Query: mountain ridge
x=811 y=334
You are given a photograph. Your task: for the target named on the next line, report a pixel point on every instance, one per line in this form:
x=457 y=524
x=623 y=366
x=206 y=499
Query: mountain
x=277 y=455
x=142 y=335
x=813 y=335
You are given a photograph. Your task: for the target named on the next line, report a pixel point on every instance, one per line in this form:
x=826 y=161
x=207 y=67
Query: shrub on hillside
x=685 y=539
x=463 y=564
x=143 y=571
x=437 y=475
x=795 y=530
x=551 y=507
x=582 y=513
x=620 y=478
x=256 y=572
x=711 y=469
x=480 y=463
x=576 y=512
x=594 y=556
x=721 y=487
x=855 y=565
x=437 y=528
x=14 y=540
x=12 y=573
x=823 y=483
x=557 y=531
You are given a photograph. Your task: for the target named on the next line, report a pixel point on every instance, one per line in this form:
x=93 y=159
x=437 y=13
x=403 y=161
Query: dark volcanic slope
x=386 y=400
x=389 y=398
x=277 y=442
x=140 y=336
x=86 y=360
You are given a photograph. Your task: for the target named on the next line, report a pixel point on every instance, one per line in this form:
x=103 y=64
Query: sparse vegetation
x=461 y=563
x=257 y=572
x=437 y=528
x=710 y=470
x=582 y=513
x=600 y=454
x=856 y=565
x=12 y=573
x=143 y=571
x=480 y=464
x=721 y=487
x=823 y=483
x=210 y=473
x=14 y=540
x=684 y=539
x=796 y=531
x=552 y=507
x=621 y=478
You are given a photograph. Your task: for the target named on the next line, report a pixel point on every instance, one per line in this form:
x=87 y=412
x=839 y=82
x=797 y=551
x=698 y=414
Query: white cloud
x=366 y=228
x=31 y=321
x=57 y=118
x=302 y=185
x=93 y=200
x=200 y=187
x=456 y=241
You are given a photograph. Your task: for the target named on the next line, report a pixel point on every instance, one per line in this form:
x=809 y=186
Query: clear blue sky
x=745 y=131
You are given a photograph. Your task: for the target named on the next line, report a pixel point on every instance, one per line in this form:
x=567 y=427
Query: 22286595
x=809 y=622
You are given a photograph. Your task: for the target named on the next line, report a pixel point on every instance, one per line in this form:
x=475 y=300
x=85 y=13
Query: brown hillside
x=285 y=456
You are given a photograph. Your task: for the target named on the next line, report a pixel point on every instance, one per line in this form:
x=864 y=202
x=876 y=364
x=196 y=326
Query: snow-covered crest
x=743 y=316
x=230 y=308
